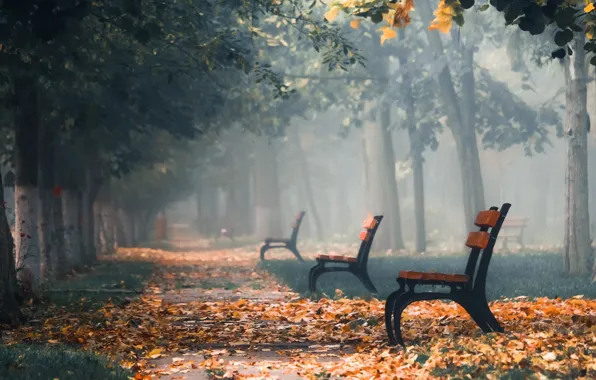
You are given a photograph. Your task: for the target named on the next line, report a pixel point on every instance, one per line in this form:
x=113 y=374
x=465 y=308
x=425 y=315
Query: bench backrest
x=515 y=222
x=482 y=243
x=296 y=225
x=370 y=225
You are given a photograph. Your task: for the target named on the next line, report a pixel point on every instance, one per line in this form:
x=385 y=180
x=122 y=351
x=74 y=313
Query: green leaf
x=376 y=17
x=563 y=37
x=459 y=19
x=466 y=4
x=483 y=7
x=564 y=17
x=559 y=53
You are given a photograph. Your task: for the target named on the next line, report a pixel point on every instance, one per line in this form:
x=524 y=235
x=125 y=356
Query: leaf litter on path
x=556 y=338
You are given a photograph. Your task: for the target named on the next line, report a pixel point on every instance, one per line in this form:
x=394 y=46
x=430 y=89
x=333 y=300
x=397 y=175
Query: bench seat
x=432 y=276
x=338 y=258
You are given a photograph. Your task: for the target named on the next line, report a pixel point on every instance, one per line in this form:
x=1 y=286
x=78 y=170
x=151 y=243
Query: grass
x=107 y=275
x=513 y=275
x=24 y=362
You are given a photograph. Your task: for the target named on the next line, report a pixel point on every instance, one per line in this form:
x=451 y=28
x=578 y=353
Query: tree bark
x=46 y=199
x=60 y=261
x=268 y=210
x=390 y=192
x=577 y=248
x=9 y=308
x=27 y=120
x=416 y=149
x=105 y=217
x=70 y=215
x=460 y=123
x=306 y=182
x=90 y=191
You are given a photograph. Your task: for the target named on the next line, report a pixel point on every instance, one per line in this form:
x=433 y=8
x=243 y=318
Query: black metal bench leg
x=264 y=249
x=294 y=250
x=365 y=279
x=474 y=308
x=489 y=317
x=389 y=304
x=313 y=275
x=400 y=304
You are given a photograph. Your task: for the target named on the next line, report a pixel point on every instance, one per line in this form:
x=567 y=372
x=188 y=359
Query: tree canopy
x=562 y=17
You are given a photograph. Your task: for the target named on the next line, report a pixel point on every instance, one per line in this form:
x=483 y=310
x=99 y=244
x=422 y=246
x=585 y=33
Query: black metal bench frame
x=289 y=244
x=357 y=266
x=468 y=290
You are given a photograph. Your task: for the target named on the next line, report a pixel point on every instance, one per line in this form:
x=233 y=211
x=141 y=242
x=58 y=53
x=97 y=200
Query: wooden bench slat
x=488 y=218
x=478 y=239
x=432 y=276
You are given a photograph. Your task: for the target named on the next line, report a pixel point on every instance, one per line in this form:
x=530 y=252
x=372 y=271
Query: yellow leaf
x=155 y=353
x=332 y=14
x=354 y=24
x=589 y=8
x=388 y=34
x=518 y=357
x=53 y=341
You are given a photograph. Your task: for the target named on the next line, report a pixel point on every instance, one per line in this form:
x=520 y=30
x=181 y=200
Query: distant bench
x=513 y=229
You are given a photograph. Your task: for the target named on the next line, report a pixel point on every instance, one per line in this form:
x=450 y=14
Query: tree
x=573 y=21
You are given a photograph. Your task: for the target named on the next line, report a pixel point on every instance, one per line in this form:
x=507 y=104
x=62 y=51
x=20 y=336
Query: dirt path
x=207 y=283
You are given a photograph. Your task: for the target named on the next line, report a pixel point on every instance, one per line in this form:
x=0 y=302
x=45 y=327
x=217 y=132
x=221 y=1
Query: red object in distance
x=57 y=190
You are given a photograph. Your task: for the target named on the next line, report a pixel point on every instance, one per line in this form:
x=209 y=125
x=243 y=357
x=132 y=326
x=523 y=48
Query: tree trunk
x=268 y=210
x=70 y=215
x=60 y=261
x=577 y=249
x=106 y=230
x=200 y=209
x=46 y=200
x=376 y=173
x=382 y=197
x=90 y=191
x=416 y=149
x=9 y=308
x=26 y=195
x=306 y=182
x=390 y=193
x=462 y=126
x=105 y=217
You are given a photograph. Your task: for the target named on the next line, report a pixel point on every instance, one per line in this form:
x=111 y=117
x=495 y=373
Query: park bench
x=355 y=265
x=513 y=229
x=468 y=289
x=289 y=244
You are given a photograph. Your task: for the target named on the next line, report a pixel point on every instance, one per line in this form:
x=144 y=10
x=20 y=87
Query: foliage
x=23 y=362
x=547 y=337
x=563 y=17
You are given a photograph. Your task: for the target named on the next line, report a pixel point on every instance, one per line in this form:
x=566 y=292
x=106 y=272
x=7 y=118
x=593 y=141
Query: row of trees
x=103 y=102
x=435 y=80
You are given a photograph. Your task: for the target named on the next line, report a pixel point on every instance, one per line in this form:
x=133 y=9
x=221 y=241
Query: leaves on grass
x=554 y=337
